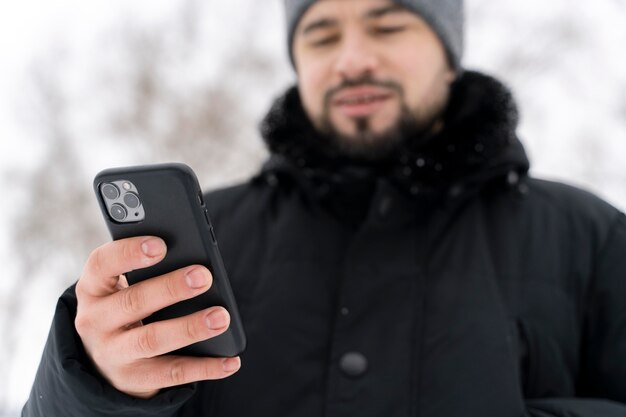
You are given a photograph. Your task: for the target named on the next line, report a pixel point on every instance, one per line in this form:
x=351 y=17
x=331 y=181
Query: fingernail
x=196 y=278
x=231 y=364
x=152 y=247
x=217 y=319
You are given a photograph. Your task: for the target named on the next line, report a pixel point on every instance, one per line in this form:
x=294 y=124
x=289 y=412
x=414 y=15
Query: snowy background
x=89 y=85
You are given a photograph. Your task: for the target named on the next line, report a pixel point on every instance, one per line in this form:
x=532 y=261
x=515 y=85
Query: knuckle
x=78 y=289
x=146 y=342
x=82 y=324
x=192 y=330
x=170 y=288
x=129 y=252
x=132 y=300
x=177 y=373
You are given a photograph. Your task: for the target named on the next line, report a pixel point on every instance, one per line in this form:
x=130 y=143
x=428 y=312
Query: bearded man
x=392 y=258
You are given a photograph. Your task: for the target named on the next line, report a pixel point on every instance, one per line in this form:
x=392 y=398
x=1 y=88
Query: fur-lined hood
x=478 y=146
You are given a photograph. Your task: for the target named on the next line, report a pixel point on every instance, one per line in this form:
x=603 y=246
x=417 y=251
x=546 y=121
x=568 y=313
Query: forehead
x=338 y=10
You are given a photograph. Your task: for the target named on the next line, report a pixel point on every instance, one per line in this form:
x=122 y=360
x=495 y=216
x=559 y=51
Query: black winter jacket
x=466 y=289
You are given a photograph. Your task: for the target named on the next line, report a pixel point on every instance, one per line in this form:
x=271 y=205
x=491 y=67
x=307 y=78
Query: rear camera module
x=122 y=201
x=110 y=191
x=131 y=200
x=118 y=212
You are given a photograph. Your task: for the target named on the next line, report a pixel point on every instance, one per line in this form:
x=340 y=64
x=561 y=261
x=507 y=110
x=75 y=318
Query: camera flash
x=127 y=186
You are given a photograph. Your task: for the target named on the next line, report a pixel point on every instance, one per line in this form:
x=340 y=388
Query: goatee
x=366 y=145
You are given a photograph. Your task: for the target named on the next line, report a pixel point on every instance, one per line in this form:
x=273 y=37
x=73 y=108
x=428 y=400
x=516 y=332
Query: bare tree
x=154 y=116
x=55 y=227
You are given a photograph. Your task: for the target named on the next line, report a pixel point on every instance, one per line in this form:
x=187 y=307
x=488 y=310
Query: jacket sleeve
x=67 y=385
x=602 y=381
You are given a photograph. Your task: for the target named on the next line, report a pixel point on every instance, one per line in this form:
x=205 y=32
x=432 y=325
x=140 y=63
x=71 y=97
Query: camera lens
x=131 y=200
x=118 y=212
x=110 y=191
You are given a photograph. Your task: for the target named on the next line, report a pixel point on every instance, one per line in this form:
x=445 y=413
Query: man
x=393 y=257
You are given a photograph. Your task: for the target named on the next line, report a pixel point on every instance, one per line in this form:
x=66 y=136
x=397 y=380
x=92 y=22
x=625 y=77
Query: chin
x=369 y=134
x=375 y=126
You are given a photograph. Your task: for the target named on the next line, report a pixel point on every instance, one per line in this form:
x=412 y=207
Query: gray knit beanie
x=444 y=16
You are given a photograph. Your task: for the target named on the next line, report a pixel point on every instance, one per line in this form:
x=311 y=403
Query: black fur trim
x=477 y=143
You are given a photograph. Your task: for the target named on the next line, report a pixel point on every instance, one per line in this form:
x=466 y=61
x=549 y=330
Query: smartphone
x=165 y=200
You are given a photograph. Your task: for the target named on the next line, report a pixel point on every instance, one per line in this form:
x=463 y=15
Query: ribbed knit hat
x=444 y=16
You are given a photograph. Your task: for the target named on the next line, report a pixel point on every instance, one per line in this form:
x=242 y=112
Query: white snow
x=563 y=60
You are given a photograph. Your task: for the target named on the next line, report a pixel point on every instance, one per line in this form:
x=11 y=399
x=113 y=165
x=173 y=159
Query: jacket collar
x=478 y=146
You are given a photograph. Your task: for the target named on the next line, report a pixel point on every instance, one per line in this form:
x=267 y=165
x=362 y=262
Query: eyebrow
x=325 y=22
x=322 y=23
x=383 y=11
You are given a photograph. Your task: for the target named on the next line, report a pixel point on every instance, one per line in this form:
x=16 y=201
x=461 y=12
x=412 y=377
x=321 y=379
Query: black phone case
x=175 y=211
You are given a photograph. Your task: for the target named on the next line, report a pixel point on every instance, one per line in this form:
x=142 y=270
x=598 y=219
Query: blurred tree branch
x=154 y=115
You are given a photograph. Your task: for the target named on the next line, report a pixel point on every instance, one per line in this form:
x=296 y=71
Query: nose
x=356 y=57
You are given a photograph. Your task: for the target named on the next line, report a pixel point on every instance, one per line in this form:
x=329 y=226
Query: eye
x=388 y=30
x=325 y=41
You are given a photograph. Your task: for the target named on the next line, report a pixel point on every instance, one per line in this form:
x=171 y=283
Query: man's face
x=367 y=69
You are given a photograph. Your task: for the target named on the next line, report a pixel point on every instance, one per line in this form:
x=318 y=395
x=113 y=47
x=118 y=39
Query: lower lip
x=362 y=109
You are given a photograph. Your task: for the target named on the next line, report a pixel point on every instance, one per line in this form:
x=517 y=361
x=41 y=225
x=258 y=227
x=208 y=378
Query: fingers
x=169 y=371
x=109 y=261
x=166 y=336
x=183 y=370
x=108 y=320
x=138 y=301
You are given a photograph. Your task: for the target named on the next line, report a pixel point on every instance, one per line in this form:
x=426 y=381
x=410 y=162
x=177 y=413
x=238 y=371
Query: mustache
x=365 y=80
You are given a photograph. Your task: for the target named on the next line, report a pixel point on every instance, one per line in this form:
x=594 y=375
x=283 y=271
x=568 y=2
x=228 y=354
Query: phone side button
x=213 y=235
x=208 y=221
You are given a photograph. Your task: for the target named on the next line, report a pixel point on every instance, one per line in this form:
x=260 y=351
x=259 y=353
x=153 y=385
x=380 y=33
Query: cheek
x=418 y=70
x=312 y=83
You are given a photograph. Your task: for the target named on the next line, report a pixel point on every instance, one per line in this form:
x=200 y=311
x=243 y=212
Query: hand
x=108 y=320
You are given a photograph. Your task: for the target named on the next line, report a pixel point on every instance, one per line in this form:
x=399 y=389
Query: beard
x=368 y=145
